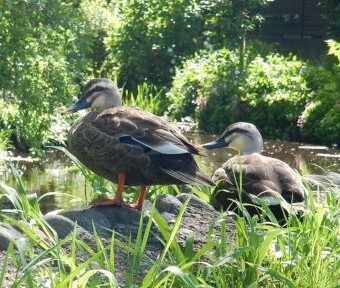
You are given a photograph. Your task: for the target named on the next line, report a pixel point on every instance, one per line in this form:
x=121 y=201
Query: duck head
x=241 y=136
x=98 y=95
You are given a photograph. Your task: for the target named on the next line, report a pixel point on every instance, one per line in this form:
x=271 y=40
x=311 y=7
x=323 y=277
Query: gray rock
x=120 y=215
x=169 y=217
x=9 y=234
x=195 y=202
x=330 y=181
x=199 y=222
x=64 y=227
x=88 y=217
x=168 y=203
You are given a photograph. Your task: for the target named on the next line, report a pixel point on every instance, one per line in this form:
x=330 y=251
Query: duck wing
x=140 y=128
x=150 y=138
x=262 y=176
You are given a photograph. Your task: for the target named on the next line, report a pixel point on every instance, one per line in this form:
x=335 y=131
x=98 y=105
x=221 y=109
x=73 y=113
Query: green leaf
x=84 y=279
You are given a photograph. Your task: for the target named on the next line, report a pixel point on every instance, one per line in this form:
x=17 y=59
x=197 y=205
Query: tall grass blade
x=77 y=272
x=86 y=172
x=178 y=273
x=84 y=279
x=169 y=234
x=274 y=274
x=141 y=241
x=266 y=242
x=111 y=264
x=4 y=264
x=149 y=278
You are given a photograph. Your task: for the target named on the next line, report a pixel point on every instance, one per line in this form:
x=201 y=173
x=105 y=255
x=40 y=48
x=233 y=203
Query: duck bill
x=215 y=144
x=80 y=105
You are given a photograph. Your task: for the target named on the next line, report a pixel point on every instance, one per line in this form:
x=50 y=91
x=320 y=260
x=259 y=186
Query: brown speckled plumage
x=129 y=146
x=95 y=141
x=261 y=176
x=258 y=175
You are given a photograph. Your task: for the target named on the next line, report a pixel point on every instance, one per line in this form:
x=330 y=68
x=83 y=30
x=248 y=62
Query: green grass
x=147 y=98
x=304 y=253
x=4 y=140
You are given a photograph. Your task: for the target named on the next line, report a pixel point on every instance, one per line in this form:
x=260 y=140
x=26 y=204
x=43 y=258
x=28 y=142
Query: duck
x=250 y=177
x=129 y=146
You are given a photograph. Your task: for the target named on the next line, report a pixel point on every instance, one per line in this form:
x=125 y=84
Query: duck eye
x=94 y=90
x=91 y=95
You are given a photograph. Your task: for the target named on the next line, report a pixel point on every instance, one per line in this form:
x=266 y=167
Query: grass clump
x=303 y=253
x=147 y=97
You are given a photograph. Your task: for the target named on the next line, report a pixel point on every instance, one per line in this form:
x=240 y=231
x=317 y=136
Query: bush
x=148 y=41
x=205 y=89
x=321 y=117
x=274 y=94
x=46 y=48
x=211 y=89
x=149 y=37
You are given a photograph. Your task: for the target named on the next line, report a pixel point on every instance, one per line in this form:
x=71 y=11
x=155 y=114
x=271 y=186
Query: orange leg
x=118 y=200
x=140 y=201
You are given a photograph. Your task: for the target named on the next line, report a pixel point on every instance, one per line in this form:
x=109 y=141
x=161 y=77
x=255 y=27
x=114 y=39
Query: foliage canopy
x=194 y=49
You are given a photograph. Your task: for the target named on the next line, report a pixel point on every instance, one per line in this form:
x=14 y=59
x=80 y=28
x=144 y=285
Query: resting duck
x=129 y=146
x=267 y=178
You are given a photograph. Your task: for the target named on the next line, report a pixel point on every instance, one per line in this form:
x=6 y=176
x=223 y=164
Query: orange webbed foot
x=118 y=200
x=140 y=201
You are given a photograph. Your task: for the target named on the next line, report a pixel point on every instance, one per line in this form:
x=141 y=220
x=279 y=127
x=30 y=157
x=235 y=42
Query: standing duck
x=129 y=146
x=258 y=177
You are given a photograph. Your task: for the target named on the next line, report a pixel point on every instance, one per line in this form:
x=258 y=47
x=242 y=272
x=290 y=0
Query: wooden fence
x=296 y=25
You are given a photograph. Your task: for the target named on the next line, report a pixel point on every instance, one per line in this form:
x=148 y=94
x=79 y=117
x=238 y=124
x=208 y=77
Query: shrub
x=148 y=41
x=321 y=117
x=210 y=88
x=334 y=49
x=46 y=48
x=274 y=94
x=205 y=89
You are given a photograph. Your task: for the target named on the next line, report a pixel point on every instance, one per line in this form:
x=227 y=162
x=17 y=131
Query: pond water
x=55 y=173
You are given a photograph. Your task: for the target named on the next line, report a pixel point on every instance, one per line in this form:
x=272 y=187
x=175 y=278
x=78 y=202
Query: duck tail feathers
x=187 y=178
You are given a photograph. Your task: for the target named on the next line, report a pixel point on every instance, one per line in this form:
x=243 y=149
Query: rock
x=200 y=219
x=9 y=234
x=197 y=219
x=199 y=222
x=323 y=183
x=120 y=215
x=88 y=217
x=169 y=217
x=195 y=202
x=64 y=227
x=168 y=203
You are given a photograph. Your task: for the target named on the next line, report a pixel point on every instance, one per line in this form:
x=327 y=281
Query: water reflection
x=56 y=173
x=51 y=174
